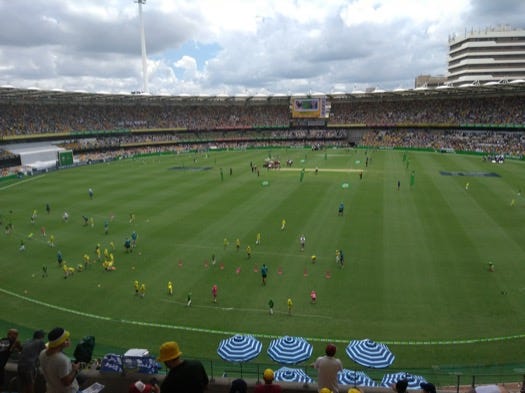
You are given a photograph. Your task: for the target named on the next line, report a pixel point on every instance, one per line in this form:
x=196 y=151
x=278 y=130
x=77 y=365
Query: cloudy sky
x=236 y=46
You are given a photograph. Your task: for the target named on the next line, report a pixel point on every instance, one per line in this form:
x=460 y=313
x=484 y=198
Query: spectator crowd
x=494 y=125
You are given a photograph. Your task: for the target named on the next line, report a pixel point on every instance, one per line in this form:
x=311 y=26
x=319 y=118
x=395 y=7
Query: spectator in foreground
x=327 y=368
x=59 y=372
x=186 y=376
x=268 y=386
x=400 y=386
x=427 y=387
x=27 y=369
x=239 y=386
x=8 y=345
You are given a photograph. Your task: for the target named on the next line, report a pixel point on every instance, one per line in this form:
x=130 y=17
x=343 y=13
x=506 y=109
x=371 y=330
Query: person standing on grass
x=270 y=305
x=341 y=209
x=264 y=273
x=313 y=296
x=214 y=290
x=290 y=306
x=302 y=240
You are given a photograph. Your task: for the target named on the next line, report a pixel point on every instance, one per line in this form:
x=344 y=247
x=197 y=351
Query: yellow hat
x=169 y=351
x=325 y=390
x=354 y=390
x=268 y=375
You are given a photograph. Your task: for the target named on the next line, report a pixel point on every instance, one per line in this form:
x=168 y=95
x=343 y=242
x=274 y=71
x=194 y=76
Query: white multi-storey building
x=490 y=55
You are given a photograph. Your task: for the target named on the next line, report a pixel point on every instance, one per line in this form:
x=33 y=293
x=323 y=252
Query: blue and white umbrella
x=239 y=348
x=414 y=381
x=286 y=374
x=369 y=353
x=290 y=350
x=355 y=378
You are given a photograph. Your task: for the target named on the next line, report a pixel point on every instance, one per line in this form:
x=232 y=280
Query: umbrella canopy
x=413 y=380
x=369 y=353
x=286 y=374
x=239 y=348
x=290 y=350
x=355 y=378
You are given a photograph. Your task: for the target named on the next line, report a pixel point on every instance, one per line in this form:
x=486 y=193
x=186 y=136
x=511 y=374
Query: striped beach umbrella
x=239 y=348
x=355 y=378
x=286 y=374
x=290 y=350
x=368 y=353
x=414 y=381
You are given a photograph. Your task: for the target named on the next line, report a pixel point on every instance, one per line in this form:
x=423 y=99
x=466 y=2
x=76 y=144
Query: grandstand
x=96 y=126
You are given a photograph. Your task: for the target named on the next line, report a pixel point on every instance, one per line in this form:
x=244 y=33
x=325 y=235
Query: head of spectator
x=427 y=387
x=400 y=386
x=12 y=335
x=330 y=350
x=354 y=390
x=268 y=375
x=325 y=390
x=58 y=338
x=38 y=334
x=239 y=386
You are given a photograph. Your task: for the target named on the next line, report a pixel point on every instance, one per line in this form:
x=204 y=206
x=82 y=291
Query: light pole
x=143 y=48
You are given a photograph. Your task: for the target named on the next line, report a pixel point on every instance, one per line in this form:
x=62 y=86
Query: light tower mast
x=143 y=48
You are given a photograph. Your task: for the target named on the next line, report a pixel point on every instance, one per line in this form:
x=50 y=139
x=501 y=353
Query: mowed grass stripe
x=409 y=254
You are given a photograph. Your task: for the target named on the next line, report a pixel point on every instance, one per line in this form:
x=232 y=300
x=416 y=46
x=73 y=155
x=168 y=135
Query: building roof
x=34 y=96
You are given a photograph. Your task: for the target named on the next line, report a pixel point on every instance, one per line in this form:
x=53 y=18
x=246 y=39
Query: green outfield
x=416 y=258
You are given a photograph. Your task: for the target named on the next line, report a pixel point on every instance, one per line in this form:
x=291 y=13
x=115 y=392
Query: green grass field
x=416 y=259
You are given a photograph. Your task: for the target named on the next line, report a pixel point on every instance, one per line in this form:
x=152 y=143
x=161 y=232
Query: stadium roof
x=12 y=95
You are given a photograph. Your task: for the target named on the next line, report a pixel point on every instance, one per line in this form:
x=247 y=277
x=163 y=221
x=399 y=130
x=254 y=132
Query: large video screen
x=311 y=108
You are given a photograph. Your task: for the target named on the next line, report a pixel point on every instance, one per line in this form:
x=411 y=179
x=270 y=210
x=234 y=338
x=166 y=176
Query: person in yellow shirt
x=142 y=289
x=136 y=285
x=249 y=251
x=170 y=288
x=238 y=244
x=290 y=306
x=283 y=224
x=258 y=238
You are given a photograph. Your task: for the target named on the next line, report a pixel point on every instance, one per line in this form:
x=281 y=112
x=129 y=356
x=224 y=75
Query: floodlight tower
x=143 y=47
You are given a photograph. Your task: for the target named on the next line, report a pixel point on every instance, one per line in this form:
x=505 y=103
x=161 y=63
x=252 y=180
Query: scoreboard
x=309 y=108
